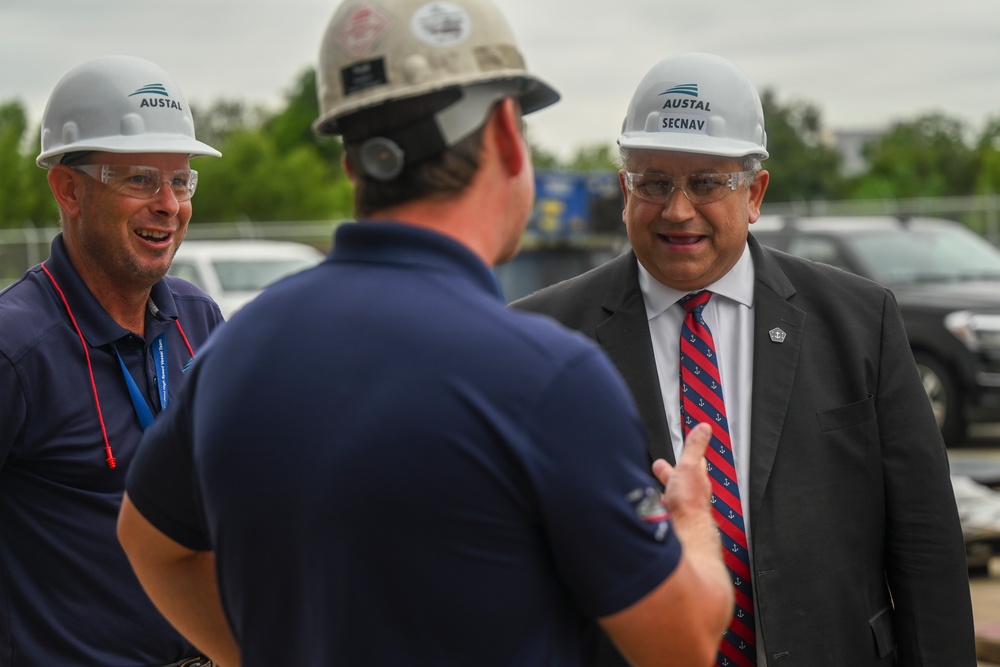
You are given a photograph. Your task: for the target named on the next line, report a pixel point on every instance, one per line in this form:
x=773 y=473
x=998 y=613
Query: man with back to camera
x=383 y=463
x=855 y=545
x=93 y=343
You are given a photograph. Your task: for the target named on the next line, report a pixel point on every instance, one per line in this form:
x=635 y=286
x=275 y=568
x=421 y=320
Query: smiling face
x=121 y=241
x=683 y=245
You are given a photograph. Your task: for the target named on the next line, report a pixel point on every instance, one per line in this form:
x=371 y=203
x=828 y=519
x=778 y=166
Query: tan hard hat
x=378 y=51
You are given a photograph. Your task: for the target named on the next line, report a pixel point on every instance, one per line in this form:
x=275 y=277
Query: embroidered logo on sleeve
x=650 y=509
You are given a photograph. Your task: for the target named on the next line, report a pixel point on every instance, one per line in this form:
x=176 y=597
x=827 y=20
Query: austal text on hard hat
x=698 y=105
x=170 y=104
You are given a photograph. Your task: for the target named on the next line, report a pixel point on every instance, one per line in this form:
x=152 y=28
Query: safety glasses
x=142 y=182
x=699 y=188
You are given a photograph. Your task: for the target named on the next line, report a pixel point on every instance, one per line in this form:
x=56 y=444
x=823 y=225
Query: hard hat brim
x=690 y=143
x=150 y=143
x=537 y=96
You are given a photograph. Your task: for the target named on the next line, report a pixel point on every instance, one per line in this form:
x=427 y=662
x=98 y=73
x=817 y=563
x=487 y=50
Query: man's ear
x=625 y=193
x=345 y=162
x=511 y=143
x=67 y=187
x=757 y=189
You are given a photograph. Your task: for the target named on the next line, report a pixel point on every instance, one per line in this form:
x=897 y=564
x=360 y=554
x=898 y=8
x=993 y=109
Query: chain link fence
x=24 y=247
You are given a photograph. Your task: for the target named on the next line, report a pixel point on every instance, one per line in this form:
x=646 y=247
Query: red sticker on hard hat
x=441 y=24
x=362 y=29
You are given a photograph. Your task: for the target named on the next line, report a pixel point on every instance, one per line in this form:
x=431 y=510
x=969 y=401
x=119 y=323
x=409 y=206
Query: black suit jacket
x=858 y=551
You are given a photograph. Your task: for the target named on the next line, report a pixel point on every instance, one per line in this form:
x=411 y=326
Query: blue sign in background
x=563 y=201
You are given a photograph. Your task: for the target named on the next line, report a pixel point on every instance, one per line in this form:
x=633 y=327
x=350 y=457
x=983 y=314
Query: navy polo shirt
x=67 y=592
x=395 y=469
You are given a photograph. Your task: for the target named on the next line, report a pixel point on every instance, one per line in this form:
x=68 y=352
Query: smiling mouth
x=151 y=235
x=682 y=240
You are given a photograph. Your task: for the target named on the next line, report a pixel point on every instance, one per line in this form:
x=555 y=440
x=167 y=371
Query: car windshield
x=254 y=275
x=927 y=255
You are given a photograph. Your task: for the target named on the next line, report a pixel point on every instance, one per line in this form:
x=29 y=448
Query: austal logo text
x=156 y=89
x=690 y=89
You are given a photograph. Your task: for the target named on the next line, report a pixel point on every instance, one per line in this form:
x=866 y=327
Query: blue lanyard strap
x=160 y=345
x=142 y=410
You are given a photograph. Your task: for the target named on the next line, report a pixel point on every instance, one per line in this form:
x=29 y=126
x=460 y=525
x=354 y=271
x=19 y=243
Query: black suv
x=946 y=279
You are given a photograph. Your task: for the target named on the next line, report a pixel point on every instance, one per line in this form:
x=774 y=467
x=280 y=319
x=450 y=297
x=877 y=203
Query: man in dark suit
x=855 y=545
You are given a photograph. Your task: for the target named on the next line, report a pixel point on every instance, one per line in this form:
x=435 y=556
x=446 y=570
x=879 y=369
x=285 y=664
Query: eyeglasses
x=698 y=188
x=142 y=182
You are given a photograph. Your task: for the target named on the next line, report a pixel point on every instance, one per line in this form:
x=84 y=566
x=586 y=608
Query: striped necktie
x=702 y=401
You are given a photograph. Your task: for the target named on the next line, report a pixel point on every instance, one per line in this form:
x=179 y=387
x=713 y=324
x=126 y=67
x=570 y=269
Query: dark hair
x=75 y=157
x=445 y=173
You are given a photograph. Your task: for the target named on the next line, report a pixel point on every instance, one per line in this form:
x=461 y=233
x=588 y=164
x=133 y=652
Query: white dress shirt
x=729 y=315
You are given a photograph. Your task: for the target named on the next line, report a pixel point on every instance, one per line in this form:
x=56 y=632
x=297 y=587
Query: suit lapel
x=774 y=366
x=625 y=338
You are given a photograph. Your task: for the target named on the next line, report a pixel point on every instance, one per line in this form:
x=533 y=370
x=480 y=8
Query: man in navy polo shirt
x=377 y=462
x=93 y=343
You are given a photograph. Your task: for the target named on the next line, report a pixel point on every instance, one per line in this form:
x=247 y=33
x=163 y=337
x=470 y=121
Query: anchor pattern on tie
x=702 y=401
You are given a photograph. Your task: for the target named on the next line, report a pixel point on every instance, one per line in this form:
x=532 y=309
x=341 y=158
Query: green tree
x=218 y=122
x=24 y=191
x=255 y=181
x=292 y=127
x=541 y=158
x=926 y=157
x=987 y=157
x=801 y=165
x=595 y=157
x=273 y=166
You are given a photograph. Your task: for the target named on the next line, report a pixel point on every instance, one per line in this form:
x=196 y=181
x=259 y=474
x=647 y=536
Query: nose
x=678 y=207
x=165 y=201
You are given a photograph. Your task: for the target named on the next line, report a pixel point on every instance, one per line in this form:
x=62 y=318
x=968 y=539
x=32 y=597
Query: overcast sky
x=863 y=63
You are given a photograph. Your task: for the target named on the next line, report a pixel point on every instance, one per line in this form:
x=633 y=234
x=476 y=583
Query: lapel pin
x=777 y=335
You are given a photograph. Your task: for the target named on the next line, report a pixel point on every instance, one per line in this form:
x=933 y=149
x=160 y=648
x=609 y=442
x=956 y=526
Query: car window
x=187 y=271
x=252 y=275
x=818 y=249
x=909 y=256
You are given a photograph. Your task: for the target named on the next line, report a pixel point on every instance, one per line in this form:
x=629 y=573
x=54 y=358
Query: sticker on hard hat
x=441 y=24
x=169 y=104
x=156 y=89
x=359 y=76
x=690 y=90
x=697 y=105
x=362 y=29
x=152 y=89
x=682 y=123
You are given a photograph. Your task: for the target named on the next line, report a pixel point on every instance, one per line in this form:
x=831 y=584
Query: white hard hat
x=378 y=51
x=119 y=104
x=696 y=103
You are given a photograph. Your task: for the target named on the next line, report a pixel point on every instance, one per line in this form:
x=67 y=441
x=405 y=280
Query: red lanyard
x=112 y=463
